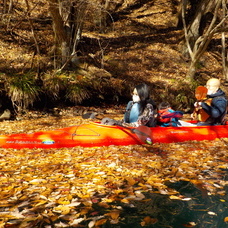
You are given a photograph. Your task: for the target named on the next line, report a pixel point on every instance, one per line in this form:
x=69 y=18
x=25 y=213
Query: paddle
x=142 y=132
x=200 y=94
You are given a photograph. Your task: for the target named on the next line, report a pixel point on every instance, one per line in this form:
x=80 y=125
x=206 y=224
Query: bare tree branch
x=202 y=42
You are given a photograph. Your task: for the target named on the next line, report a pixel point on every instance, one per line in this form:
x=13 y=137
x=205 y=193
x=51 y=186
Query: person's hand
x=193 y=116
x=197 y=104
x=126 y=124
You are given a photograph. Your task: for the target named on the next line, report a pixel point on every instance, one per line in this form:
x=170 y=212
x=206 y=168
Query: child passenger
x=167 y=116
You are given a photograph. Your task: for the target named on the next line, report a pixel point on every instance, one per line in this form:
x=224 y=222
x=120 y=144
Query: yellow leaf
x=69 y=197
x=125 y=201
x=85 y=211
x=64 y=210
x=91 y=224
x=175 y=197
x=37 y=181
x=63 y=201
x=100 y=222
x=153 y=180
x=33 y=218
x=103 y=204
x=190 y=224
x=114 y=214
x=40 y=202
x=2 y=224
x=5 y=203
x=130 y=181
x=54 y=218
x=148 y=221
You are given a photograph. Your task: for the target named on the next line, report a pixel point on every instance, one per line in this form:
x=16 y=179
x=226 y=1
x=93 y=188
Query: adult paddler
x=212 y=110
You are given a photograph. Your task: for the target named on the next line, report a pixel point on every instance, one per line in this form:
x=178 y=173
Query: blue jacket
x=132 y=112
x=217 y=109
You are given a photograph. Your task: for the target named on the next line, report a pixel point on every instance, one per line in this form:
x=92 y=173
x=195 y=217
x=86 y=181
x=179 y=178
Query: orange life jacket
x=162 y=113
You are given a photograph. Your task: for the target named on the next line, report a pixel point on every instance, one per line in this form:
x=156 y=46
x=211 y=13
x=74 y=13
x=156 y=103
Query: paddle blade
x=143 y=133
x=176 y=114
x=201 y=93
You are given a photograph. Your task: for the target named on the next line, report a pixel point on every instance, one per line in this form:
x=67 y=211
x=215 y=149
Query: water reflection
x=199 y=210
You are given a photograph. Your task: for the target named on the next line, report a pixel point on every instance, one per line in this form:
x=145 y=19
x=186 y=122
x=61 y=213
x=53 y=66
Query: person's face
x=135 y=96
x=212 y=87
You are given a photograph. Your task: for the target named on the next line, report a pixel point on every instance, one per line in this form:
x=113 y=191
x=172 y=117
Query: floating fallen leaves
x=190 y=224
x=148 y=221
x=93 y=186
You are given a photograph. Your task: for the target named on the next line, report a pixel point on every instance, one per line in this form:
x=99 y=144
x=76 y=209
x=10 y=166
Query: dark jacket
x=217 y=109
x=136 y=117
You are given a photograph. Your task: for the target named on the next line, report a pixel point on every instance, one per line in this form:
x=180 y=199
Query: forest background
x=60 y=59
x=94 y=52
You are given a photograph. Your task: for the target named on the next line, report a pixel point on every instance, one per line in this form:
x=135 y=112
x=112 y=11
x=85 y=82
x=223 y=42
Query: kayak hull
x=85 y=135
x=97 y=135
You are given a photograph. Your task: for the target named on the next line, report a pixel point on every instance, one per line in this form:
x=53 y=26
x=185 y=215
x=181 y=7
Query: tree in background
x=29 y=23
x=68 y=18
x=224 y=51
x=37 y=27
x=205 y=23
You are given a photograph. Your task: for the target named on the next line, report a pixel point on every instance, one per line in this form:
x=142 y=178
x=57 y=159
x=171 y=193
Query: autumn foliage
x=111 y=186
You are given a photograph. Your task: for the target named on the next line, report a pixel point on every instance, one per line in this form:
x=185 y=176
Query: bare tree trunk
x=4 y=10
x=200 y=45
x=68 y=18
x=10 y=6
x=181 y=10
x=224 y=58
x=192 y=70
x=7 y=8
x=28 y=14
x=203 y=7
x=224 y=52
x=61 y=38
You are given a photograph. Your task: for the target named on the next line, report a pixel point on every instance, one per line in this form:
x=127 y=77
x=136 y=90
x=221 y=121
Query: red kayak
x=96 y=135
